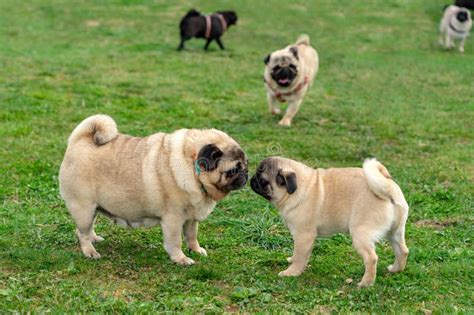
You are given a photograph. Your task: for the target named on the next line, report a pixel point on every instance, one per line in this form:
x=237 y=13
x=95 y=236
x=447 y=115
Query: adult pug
x=210 y=27
x=289 y=73
x=364 y=202
x=456 y=24
x=169 y=179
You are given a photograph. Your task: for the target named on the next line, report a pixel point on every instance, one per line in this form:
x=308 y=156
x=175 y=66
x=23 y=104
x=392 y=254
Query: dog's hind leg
x=84 y=214
x=218 y=40
x=397 y=240
x=364 y=244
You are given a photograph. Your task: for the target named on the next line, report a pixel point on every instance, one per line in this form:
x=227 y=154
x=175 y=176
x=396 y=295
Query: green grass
x=385 y=89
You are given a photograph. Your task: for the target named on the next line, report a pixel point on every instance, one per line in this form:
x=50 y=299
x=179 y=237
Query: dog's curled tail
x=381 y=184
x=99 y=128
x=192 y=12
x=303 y=39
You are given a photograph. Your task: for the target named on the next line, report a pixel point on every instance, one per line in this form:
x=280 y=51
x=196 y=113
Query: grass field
x=385 y=89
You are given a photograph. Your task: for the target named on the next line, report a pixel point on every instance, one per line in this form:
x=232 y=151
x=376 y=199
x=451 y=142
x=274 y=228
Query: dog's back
x=189 y=25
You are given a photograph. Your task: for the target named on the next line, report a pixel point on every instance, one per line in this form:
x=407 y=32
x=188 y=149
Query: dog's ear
x=267 y=59
x=208 y=157
x=294 y=51
x=287 y=179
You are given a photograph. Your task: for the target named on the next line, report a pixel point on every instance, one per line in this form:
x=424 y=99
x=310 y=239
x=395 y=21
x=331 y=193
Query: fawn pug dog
x=456 y=24
x=289 y=73
x=169 y=179
x=364 y=202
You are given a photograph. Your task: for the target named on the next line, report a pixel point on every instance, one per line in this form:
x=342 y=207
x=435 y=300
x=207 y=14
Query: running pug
x=289 y=73
x=364 y=202
x=169 y=179
x=456 y=24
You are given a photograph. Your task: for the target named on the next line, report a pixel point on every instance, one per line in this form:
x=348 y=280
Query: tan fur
x=340 y=200
x=141 y=181
x=307 y=65
x=447 y=35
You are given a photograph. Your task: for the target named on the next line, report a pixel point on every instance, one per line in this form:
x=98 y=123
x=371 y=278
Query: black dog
x=210 y=27
x=468 y=4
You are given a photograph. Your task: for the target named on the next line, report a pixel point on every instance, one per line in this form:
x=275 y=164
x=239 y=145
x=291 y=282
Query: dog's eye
x=293 y=67
x=234 y=170
x=276 y=68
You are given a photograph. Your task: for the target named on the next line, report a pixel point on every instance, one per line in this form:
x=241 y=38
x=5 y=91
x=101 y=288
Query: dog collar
x=451 y=26
x=198 y=171
x=207 y=35
x=280 y=96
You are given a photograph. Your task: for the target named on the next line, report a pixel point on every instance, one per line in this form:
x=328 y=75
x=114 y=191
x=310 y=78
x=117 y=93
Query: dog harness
x=451 y=26
x=280 y=96
x=207 y=35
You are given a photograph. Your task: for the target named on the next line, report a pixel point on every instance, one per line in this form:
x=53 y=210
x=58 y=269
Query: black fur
x=287 y=180
x=462 y=16
x=294 y=51
x=267 y=59
x=193 y=24
x=208 y=157
x=469 y=4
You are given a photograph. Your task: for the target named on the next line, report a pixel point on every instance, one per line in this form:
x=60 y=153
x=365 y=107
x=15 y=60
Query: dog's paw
x=289 y=259
x=184 y=261
x=285 y=122
x=365 y=284
x=275 y=111
x=97 y=238
x=91 y=253
x=289 y=273
x=393 y=269
x=201 y=251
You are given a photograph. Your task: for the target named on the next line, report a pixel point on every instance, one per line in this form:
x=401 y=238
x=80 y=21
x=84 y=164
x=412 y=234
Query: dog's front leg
x=190 y=233
x=449 y=42
x=172 y=229
x=461 y=45
x=273 y=104
x=303 y=244
x=291 y=111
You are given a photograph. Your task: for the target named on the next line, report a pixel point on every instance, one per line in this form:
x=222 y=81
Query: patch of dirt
x=435 y=224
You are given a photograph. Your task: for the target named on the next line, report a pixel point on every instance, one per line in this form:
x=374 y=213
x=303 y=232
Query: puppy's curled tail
x=379 y=180
x=303 y=39
x=99 y=128
x=192 y=12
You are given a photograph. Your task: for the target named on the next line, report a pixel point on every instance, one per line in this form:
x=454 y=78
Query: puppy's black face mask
x=261 y=186
x=462 y=16
x=259 y=183
x=284 y=75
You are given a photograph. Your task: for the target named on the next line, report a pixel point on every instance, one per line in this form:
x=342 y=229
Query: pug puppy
x=364 y=202
x=456 y=24
x=289 y=73
x=169 y=179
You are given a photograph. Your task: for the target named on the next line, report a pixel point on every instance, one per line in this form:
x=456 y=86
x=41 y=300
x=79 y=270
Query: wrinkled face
x=231 y=17
x=272 y=182
x=284 y=66
x=223 y=168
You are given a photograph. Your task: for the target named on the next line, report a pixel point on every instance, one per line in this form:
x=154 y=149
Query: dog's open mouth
x=283 y=81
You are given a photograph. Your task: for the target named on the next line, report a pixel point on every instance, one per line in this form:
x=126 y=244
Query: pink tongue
x=283 y=81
